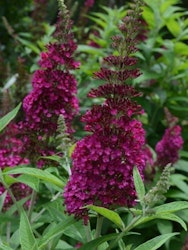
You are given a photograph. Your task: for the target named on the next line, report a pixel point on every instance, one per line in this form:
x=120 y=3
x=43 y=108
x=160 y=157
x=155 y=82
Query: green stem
x=88 y=232
x=19 y=208
x=126 y=230
x=98 y=226
x=2 y=180
x=8 y=231
x=33 y=199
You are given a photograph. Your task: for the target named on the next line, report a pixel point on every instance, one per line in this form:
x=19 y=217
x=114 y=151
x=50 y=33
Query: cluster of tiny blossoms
x=53 y=91
x=168 y=148
x=10 y=150
x=103 y=161
x=53 y=94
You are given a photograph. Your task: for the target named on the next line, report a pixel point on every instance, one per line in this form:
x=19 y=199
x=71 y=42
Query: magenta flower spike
x=168 y=148
x=54 y=90
x=103 y=161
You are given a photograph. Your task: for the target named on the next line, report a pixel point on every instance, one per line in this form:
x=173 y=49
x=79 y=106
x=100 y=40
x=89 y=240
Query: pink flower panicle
x=102 y=168
x=53 y=93
x=168 y=148
x=10 y=156
x=133 y=30
x=103 y=161
x=63 y=32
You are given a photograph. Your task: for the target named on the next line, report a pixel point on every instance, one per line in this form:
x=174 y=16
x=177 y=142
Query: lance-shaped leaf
x=38 y=173
x=172 y=207
x=58 y=230
x=109 y=214
x=97 y=242
x=163 y=216
x=27 y=238
x=139 y=185
x=156 y=242
x=5 y=120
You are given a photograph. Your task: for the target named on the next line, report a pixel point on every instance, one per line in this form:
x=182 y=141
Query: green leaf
x=55 y=232
x=11 y=81
x=9 y=180
x=64 y=245
x=177 y=195
x=181 y=164
x=31 y=181
x=97 y=242
x=56 y=210
x=60 y=160
x=98 y=21
x=139 y=185
x=156 y=242
x=181 y=48
x=157 y=22
x=71 y=149
x=174 y=27
x=29 y=45
x=164 y=226
x=27 y=239
x=14 y=208
x=2 y=199
x=3 y=246
x=165 y=5
x=179 y=98
x=165 y=212
x=172 y=207
x=179 y=108
x=76 y=231
x=109 y=214
x=148 y=16
x=52 y=158
x=163 y=216
x=5 y=120
x=180 y=181
x=38 y=173
x=90 y=50
x=121 y=243
x=15 y=239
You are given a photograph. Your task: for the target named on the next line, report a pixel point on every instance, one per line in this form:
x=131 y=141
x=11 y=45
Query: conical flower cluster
x=167 y=149
x=53 y=91
x=103 y=161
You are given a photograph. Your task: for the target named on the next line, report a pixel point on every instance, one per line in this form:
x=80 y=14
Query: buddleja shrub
x=148 y=210
x=99 y=200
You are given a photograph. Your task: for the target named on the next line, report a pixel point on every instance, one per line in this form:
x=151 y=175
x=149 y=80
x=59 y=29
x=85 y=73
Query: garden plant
x=93 y=125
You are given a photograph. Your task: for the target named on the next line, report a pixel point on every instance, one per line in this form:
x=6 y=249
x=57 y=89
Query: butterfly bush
x=53 y=91
x=103 y=161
